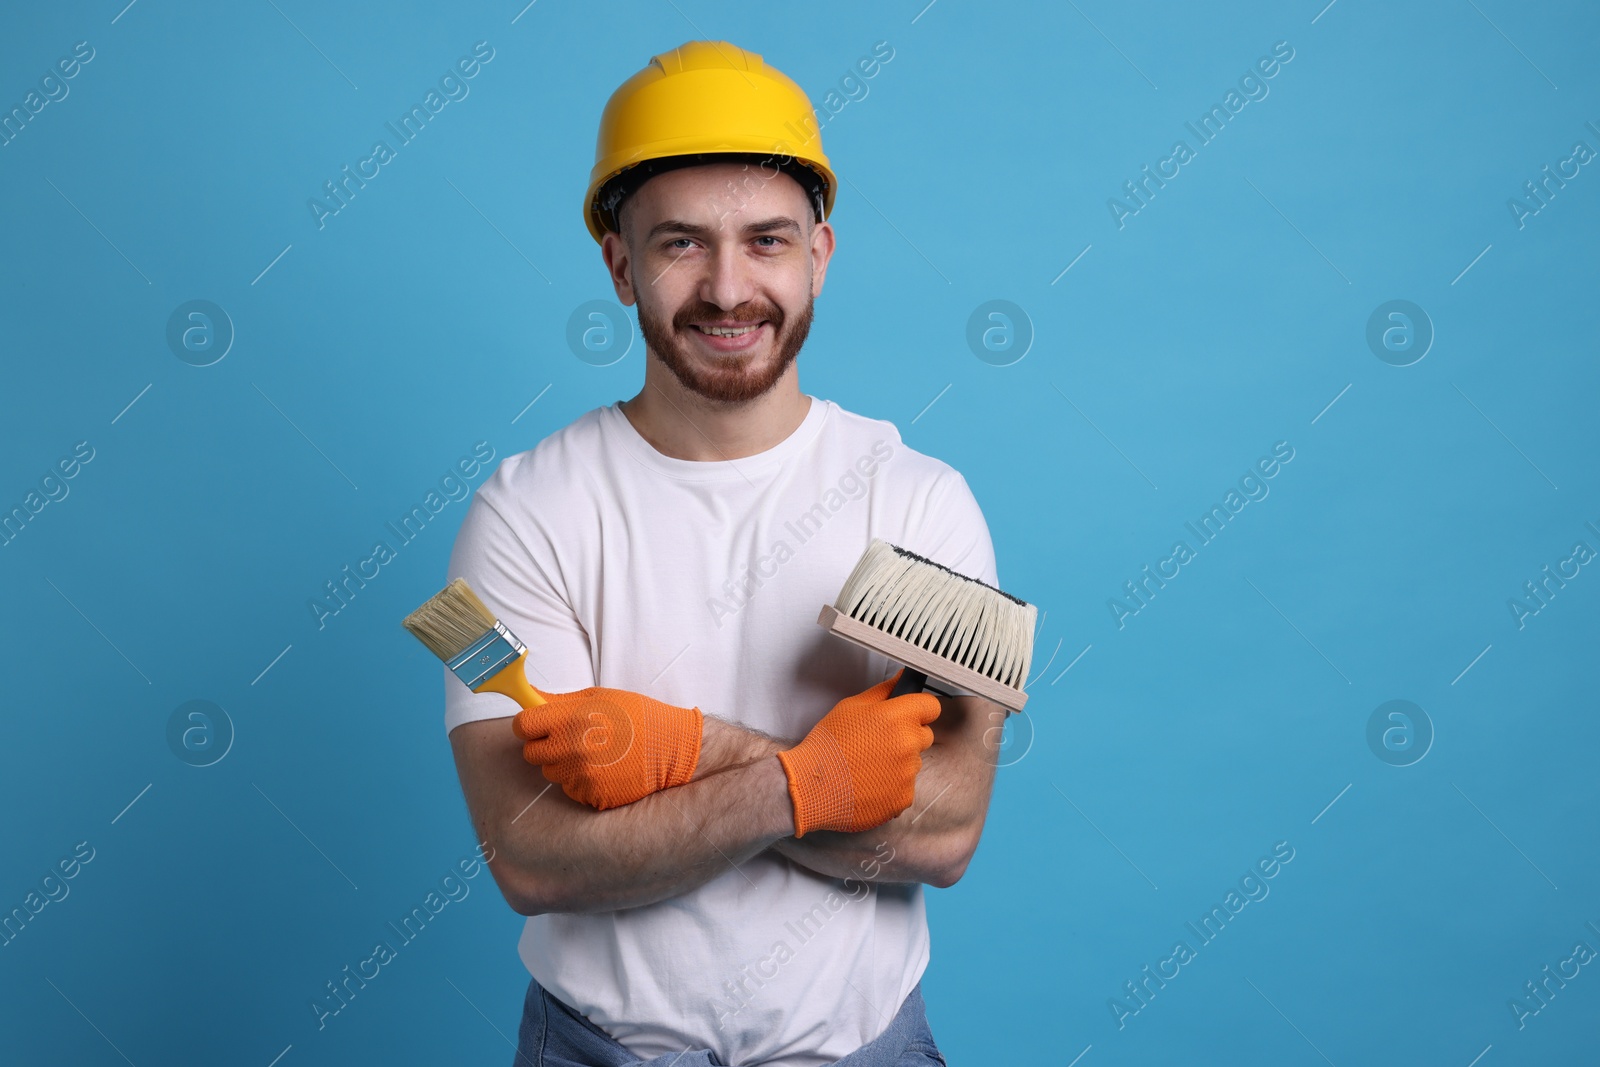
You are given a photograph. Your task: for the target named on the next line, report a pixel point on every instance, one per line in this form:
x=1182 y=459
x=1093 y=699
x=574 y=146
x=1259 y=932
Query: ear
x=822 y=245
x=619 y=265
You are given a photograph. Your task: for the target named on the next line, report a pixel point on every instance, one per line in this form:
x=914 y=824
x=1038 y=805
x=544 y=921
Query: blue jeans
x=555 y=1035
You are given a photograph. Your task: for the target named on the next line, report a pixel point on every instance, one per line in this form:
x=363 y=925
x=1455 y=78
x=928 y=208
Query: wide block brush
x=937 y=623
x=476 y=646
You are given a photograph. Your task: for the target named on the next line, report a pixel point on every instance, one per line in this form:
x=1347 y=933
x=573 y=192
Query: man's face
x=725 y=263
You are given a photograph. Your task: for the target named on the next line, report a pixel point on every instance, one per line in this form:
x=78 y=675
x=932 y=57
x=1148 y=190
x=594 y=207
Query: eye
x=768 y=237
x=674 y=243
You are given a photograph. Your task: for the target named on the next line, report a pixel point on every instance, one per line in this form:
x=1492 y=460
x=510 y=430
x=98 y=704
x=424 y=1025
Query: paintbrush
x=937 y=623
x=476 y=646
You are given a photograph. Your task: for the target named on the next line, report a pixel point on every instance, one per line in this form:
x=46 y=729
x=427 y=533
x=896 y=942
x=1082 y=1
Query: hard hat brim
x=815 y=181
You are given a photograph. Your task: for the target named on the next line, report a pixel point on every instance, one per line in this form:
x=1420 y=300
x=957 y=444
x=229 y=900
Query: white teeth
x=720 y=331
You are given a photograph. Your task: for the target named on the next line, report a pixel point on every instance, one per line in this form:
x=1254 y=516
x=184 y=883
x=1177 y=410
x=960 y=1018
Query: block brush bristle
x=960 y=619
x=450 y=620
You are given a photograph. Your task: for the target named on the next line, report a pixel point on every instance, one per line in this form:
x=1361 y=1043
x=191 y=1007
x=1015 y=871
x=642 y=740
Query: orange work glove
x=858 y=766
x=610 y=747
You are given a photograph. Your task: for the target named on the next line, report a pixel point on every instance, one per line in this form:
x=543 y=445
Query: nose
x=728 y=281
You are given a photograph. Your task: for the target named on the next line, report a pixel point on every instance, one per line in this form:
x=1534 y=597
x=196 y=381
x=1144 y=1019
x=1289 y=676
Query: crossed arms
x=551 y=853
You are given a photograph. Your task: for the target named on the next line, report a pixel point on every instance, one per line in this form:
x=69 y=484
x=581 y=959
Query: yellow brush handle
x=512 y=681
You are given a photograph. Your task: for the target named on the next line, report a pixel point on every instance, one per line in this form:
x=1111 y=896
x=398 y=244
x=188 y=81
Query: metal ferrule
x=487 y=656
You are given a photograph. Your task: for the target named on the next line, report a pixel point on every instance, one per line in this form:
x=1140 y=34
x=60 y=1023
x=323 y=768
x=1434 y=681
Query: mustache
x=692 y=313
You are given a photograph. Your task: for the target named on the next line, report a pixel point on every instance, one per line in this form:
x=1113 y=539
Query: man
x=731 y=870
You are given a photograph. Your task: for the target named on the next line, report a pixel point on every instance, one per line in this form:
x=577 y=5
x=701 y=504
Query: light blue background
x=1227 y=315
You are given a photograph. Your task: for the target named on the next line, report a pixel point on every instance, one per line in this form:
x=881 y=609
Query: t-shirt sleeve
x=953 y=531
x=515 y=575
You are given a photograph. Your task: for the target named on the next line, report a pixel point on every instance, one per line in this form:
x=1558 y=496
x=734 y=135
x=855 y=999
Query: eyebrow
x=679 y=226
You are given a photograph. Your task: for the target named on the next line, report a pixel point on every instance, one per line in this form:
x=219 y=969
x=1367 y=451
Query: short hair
x=619 y=188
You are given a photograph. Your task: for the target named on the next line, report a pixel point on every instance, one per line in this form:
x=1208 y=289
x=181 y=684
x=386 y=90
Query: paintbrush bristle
x=450 y=620
x=961 y=619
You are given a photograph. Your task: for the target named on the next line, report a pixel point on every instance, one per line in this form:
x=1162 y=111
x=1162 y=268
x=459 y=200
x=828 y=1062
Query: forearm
x=933 y=840
x=725 y=745
x=664 y=845
x=930 y=842
x=554 y=854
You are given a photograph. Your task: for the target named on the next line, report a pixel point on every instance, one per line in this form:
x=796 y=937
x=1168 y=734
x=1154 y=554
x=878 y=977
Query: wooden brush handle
x=910 y=682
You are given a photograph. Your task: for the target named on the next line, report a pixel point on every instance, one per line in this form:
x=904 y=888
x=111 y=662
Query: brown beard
x=735 y=379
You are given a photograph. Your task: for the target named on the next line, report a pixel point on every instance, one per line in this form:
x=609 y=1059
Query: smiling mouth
x=729 y=331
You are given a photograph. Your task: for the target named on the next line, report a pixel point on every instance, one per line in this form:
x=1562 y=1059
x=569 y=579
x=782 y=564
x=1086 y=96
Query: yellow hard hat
x=701 y=101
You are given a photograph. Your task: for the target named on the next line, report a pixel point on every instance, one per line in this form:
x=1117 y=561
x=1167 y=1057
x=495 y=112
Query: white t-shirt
x=699 y=583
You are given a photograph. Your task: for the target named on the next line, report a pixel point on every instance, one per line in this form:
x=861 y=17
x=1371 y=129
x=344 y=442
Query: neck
x=685 y=425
